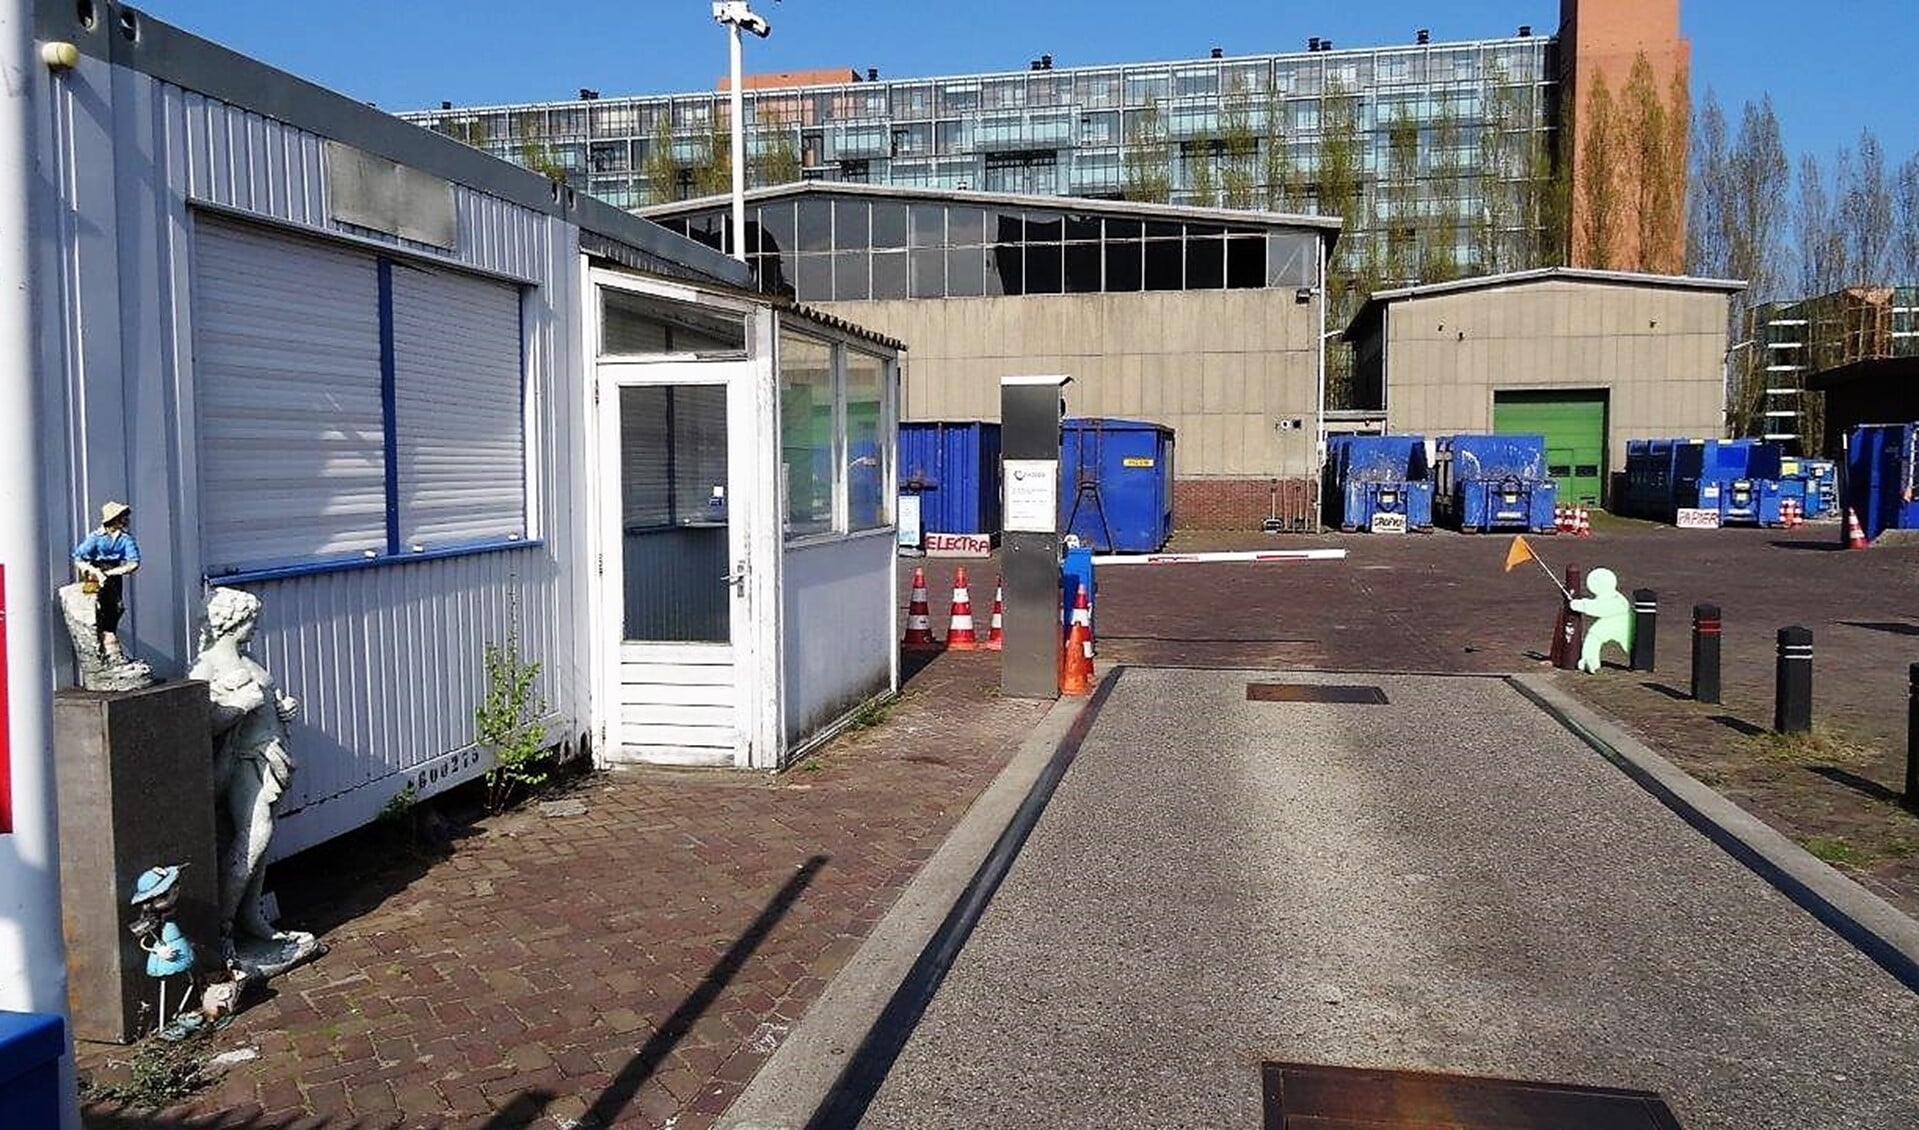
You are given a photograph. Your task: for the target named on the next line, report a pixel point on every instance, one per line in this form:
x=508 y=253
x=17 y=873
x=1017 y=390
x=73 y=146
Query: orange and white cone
x=919 y=624
x=1789 y=513
x=1076 y=658
x=1855 y=536
x=996 y=632
x=960 y=633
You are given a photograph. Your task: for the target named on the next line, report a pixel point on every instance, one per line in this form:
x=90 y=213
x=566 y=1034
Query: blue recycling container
x=954 y=468
x=1877 y=480
x=30 y=1049
x=1484 y=483
x=1738 y=478
x=1116 y=483
x=1814 y=483
x=1382 y=483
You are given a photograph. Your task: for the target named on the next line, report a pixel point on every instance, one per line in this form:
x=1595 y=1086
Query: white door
x=677 y=464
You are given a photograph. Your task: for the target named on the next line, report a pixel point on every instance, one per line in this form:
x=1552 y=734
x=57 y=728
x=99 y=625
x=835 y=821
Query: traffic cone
x=919 y=625
x=1789 y=513
x=996 y=633
x=960 y=633
x=1582 y=521
x=1855 y=537
x=1076 y=658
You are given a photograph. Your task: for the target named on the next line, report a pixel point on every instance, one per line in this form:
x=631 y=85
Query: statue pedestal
x=135 y=779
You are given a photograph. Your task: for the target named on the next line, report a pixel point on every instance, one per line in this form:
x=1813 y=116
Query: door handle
x=737 y=578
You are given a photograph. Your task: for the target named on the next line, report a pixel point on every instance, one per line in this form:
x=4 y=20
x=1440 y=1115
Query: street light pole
x=736 y=14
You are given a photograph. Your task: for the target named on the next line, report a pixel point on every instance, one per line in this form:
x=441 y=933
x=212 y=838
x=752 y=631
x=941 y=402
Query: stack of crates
x=1381 y=484
x=1484 y=483
x=1736 y=478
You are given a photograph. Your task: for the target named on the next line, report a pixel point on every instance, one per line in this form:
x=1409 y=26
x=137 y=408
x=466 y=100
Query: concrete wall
x=1222 y=367
x=1658 y=351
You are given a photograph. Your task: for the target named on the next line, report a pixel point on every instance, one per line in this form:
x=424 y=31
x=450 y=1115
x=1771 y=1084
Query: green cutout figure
x=1611 y=616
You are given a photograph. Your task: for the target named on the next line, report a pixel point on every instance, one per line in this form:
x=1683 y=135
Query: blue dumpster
x=30 y=1049
x=1738 y=478
x=1877 y=482
x=1494 y=482
x=1814 y=483
x=1382 y=483
x=954 y=468
x=1116 y=483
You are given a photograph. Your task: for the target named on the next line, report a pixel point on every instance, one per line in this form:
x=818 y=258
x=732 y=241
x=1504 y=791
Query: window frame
x=840 y=349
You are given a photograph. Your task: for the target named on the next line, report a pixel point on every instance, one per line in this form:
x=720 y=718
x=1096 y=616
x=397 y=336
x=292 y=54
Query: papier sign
x=1689 y=518
x=1030 y=495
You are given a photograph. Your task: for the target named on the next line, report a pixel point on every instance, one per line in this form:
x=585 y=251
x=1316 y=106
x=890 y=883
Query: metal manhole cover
x=1310 y=1097
x=1315 y=692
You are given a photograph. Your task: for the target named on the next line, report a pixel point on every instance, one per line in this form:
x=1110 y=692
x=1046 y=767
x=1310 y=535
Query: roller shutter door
x=1574 y=424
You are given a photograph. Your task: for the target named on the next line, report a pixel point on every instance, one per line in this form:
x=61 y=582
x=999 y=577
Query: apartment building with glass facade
x=1438 y=155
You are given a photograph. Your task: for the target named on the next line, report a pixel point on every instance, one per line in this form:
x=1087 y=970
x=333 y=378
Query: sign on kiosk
x=959 y=545
x=1031 y=495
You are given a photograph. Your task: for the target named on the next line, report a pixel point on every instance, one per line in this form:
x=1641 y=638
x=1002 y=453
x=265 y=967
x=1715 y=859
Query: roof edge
x=1381 y=298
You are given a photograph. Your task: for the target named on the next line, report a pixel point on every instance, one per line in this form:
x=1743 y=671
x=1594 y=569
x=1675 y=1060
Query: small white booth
x=742 y=503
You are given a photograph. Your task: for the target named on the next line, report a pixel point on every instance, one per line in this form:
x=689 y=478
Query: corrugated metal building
x=1588 y=358
x=400 y=390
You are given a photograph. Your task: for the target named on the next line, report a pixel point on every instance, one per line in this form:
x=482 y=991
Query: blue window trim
x=389 y=392
x=352 y=564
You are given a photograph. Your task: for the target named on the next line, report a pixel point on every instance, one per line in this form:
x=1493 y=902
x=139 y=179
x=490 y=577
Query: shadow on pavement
x=1823 y=546
x=1888 y=626
x=1856 y=783
x=606 y=1109
x=1739 y=725
x=1669 y=692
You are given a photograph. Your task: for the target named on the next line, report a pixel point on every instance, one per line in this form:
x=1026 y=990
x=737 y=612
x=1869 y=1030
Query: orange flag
x=1519 y=553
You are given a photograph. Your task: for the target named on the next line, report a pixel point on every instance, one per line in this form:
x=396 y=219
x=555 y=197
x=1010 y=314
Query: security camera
x=737 y=13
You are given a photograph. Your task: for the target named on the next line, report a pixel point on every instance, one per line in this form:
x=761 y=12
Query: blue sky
x=1830 y=75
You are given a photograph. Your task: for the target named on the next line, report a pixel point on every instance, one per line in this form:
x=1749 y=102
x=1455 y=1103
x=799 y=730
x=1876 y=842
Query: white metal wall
x=386 y=660
x=838 y=635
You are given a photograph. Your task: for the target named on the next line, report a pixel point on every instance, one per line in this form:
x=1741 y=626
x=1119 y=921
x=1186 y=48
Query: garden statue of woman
x=251 y=769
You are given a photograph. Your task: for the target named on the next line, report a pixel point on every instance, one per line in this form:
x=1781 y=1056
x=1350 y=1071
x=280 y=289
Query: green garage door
x=1574 y=424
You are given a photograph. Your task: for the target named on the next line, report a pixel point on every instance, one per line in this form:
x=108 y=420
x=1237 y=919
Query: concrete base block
x=135 y=773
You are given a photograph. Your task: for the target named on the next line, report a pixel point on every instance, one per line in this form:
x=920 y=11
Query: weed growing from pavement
x=1822 y=746
x=873 y=713
x=1837 y=850
x=159 y=1074
x=507 y=719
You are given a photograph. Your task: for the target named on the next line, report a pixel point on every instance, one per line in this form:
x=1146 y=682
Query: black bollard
x=1645 y=628
x=1792 y=698
x=1912 y=737
x=1705 y=653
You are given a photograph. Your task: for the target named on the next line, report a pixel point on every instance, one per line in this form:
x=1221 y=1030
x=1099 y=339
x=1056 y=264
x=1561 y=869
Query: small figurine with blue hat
x=155 y=894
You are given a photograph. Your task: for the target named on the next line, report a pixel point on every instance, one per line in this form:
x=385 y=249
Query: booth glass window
x=808 y=434
x=640 y=325
x=866 y=446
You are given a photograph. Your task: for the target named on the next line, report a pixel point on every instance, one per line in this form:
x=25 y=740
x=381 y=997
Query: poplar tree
x=1147 y=167
x=1597 y=180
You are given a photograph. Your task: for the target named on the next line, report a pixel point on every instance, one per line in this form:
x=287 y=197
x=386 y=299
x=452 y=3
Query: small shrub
x=400 y=806
x=507 y=722
x=159 y=1074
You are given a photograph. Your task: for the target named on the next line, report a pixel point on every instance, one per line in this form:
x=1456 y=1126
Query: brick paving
x=631 y=966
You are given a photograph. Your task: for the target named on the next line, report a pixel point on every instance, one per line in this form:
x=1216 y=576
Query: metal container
x=30 y=1049
x=953 y=466
x=1116 y=483
x=1494 y=482
x=1652 y=478
x=1382 y=484
x=1738 y=478
x=1814 y=483
x=1877 y=480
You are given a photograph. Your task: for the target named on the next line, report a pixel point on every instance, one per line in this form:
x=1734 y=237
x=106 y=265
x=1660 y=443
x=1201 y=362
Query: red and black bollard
x=1569 y=635
x=1705 y=653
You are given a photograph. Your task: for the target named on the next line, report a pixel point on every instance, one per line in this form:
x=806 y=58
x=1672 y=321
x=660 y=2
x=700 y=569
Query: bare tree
x=713 y=163
x=1239 y=151
x=661 y=168
x=1598 y=181
x=1822 y=245
x=1865 y=212
x=1707 y=253
x=1399 y=198
x=1439 y=242
x=1905 y=240
x=1281 y=191
x=1148 y=164
x=778 y=158
x=1201 y=181
x=1753 y=214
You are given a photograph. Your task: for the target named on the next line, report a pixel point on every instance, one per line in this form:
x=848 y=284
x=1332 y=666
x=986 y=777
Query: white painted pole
x=33 y=967
x=739 y=148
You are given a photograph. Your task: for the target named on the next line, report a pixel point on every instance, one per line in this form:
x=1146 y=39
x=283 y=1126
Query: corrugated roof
x=1378 y=299
x=1080 y=204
